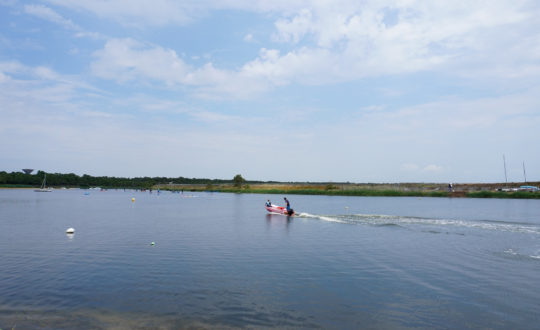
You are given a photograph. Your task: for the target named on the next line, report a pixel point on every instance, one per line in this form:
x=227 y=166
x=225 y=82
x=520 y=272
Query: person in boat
x=288 y=205
x=268 y=203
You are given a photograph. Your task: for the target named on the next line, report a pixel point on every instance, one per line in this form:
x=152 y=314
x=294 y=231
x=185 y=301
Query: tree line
x=74 y=180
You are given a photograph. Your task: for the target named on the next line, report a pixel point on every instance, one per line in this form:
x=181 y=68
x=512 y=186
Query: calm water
x=220 y=260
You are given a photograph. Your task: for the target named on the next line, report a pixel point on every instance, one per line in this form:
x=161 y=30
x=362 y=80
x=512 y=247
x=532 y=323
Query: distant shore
x=370 y=189
x=465 y=190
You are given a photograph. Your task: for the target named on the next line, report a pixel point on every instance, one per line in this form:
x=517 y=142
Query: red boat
x=279 y=209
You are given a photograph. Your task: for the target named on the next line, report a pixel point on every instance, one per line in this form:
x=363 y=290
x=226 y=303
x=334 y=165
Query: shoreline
x=371 y=190
x=377 y=190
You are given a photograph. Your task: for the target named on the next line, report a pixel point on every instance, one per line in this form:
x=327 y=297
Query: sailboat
x=43 y=186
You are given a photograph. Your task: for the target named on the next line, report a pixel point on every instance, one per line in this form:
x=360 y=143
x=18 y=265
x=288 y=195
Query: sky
x=339 y=91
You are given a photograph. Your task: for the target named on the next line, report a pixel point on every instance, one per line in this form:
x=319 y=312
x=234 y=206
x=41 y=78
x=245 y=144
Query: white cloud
x=433 y=168
x=138 y=13
x=425 y=35
x=338 y=43
x=128 y=60
x=214 y=117
x=48 y=14
x=248 y=37
x=13 y=67
x=96 y=114
x=294 y=29
x=8 y=3
x=125 y=60
x=409 y=167
x=25 y=86
x=373 y=108
x=3 y=77
x=142 y=13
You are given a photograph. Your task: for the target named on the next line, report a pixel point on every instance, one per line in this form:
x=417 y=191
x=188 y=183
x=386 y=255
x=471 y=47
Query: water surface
x=219 y=260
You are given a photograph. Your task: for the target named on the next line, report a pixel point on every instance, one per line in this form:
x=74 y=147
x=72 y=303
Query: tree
x=238 y=181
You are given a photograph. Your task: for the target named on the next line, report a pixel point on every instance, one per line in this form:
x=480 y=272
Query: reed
x=324 y=190
x=501 y=194
x=294 y=190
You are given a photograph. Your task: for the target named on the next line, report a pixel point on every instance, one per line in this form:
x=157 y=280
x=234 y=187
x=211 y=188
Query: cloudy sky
x=359 y=91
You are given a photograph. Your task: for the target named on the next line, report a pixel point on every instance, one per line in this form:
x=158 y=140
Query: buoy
x=133 y=199
x=153 y=243
x=70 y=231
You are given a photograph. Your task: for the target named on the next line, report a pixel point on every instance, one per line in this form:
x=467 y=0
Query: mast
x=505 y=177
x=524 y=174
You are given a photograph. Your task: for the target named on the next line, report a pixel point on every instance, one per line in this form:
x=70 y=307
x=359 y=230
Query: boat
x=279 y=209
x=528 y=188
x=43 y=186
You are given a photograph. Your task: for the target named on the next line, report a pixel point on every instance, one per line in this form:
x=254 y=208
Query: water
x=220 y=261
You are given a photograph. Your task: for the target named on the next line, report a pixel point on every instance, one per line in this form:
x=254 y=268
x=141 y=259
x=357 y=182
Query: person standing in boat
x=287 y=205
x=268 y=203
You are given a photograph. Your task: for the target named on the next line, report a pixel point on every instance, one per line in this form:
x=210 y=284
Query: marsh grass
x=501 y=194
x=365 y=189
x=302 y=190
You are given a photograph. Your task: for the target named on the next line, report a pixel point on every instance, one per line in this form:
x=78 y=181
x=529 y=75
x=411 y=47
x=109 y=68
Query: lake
x=221 y=261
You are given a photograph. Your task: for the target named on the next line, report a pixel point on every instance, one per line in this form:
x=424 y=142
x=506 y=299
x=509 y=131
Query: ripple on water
x=223 y=263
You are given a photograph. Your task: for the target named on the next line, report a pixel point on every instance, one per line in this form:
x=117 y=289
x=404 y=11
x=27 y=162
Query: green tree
x=238 y=181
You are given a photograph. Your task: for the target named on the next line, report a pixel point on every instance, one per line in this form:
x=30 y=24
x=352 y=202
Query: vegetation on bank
x=502 y=194
x=360 y=192
x=19 y=179
x=239 y=185
x=299 y=190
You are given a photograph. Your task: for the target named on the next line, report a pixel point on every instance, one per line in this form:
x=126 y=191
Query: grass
x=360 y=192
x=299 y=190
x=382 y=190
x=501 y=194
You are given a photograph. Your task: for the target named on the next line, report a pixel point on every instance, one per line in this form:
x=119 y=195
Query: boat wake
x=425 y=223
x=512 y=254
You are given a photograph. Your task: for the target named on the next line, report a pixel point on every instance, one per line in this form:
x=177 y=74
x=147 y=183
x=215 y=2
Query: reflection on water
x=220 y=260
x=278 y=221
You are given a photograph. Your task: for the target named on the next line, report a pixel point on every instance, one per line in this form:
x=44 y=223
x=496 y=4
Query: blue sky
x=359 y=91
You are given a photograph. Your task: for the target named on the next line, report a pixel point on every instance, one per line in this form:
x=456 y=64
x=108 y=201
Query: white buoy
x=70 y=231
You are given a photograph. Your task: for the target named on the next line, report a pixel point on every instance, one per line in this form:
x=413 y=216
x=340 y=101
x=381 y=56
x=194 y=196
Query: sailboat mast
x=524 y=174
x=505 y=177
